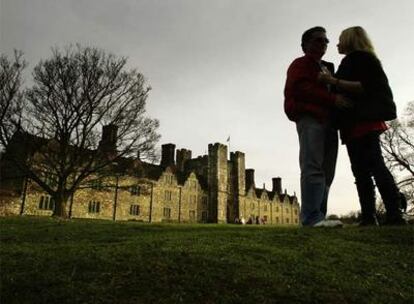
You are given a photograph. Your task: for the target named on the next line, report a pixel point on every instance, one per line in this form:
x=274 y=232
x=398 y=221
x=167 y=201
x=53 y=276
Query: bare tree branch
x=77 y=92
x=398 y=147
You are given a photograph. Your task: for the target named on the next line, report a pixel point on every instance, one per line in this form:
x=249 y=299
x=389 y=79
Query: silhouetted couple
x=356 y=100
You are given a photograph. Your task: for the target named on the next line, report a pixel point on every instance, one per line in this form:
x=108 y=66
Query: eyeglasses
x=321 y=40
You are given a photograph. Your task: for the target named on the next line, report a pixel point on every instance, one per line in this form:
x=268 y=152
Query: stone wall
x=209 y=188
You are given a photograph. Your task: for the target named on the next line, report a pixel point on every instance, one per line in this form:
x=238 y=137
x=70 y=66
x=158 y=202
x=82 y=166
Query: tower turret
x=239 y=184
x=217 y=182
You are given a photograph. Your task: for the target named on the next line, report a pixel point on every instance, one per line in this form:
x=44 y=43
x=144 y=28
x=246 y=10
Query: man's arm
x=305 y=86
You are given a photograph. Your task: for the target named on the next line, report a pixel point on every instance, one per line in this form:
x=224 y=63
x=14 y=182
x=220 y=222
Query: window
x=134 y=210
x=169 y=179
x=193 y=200
x=287 y=221
x=135 y=190
x=94 y=207
x=167 y=213
x=296 y=221
x=46 y=203
x=167 y=195
x=252 y=206
x=192 y=215
x=205 y=201
x=265 y=207
x=287 y=210
x=296 y=211
x=277 y=220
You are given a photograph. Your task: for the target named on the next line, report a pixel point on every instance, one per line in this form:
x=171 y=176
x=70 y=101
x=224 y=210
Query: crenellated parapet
x=218 y=182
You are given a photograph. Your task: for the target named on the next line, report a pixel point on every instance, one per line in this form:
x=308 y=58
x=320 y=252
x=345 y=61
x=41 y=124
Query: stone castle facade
x=206 y=189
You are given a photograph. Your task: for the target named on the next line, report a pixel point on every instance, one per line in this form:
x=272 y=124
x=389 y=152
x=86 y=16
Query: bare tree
x=398 y=147
x=11 y=96
x=76 y=93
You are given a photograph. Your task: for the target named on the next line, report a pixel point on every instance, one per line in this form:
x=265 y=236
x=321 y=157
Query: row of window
x=97 y=184
x=253 y=206
x=265 y=219
x=192 y=214
x=47 y=203
x=193 y=198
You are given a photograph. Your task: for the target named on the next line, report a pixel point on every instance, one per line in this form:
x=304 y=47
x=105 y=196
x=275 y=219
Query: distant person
x=361 y=77
x=310 y=103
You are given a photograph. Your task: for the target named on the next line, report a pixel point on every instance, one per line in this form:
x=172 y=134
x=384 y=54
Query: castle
x=206 y=189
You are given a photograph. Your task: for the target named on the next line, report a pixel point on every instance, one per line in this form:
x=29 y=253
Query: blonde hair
x=356 y=39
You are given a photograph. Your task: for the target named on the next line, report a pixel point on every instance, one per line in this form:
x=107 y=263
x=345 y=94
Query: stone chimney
x=167 y=155
x=183 y=155
x=277 y=185
x=109 y=137
x=249 y=178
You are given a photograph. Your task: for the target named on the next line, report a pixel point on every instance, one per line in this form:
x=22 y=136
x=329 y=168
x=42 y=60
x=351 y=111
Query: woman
x=361 y=78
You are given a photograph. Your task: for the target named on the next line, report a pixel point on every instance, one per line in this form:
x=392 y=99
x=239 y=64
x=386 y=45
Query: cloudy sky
x=218 y=67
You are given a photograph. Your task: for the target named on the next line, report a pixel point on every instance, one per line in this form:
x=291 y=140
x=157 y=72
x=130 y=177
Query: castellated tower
x=238 y=175
x=217 y=180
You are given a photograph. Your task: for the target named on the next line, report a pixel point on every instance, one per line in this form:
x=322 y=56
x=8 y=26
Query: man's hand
x=326 y=77
x=341 y=102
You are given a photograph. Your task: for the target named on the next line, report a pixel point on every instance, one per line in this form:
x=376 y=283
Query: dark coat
x=376 y=103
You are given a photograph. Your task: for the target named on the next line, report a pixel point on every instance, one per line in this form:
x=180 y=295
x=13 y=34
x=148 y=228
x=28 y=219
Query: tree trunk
x=61 y=202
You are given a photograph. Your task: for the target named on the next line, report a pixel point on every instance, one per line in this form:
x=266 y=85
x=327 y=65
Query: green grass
x=44 y=260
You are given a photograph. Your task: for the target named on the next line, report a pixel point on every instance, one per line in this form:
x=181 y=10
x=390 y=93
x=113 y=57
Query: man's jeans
x=317 y=157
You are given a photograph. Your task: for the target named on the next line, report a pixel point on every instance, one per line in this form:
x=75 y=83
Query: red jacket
x=303 y=92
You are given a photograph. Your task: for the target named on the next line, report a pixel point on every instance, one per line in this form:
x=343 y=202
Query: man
x=310 y=104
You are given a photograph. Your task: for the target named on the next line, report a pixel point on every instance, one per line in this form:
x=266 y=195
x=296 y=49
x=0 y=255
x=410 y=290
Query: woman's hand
x=326 y=77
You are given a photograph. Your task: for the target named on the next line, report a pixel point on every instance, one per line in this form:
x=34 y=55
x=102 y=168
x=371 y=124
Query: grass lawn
x=44 y=260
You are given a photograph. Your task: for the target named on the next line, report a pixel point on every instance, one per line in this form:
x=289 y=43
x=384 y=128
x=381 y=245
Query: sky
x=217 y=68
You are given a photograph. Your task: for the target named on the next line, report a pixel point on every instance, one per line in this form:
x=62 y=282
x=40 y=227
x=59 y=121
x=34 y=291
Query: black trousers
x=367 y=163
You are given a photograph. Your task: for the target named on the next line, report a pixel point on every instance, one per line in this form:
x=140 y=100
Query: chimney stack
x=277 y=185
x=167 y=155
x=249 y=178
x=109 y=137
x=183 y=155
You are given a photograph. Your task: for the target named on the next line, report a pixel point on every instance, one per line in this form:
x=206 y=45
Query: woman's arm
x=343 y=85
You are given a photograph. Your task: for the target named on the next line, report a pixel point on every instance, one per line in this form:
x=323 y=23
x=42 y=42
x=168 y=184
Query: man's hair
x=307 y=35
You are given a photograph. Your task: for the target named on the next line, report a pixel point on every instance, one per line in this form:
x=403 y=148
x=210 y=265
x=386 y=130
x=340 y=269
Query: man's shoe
x=329 y=224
